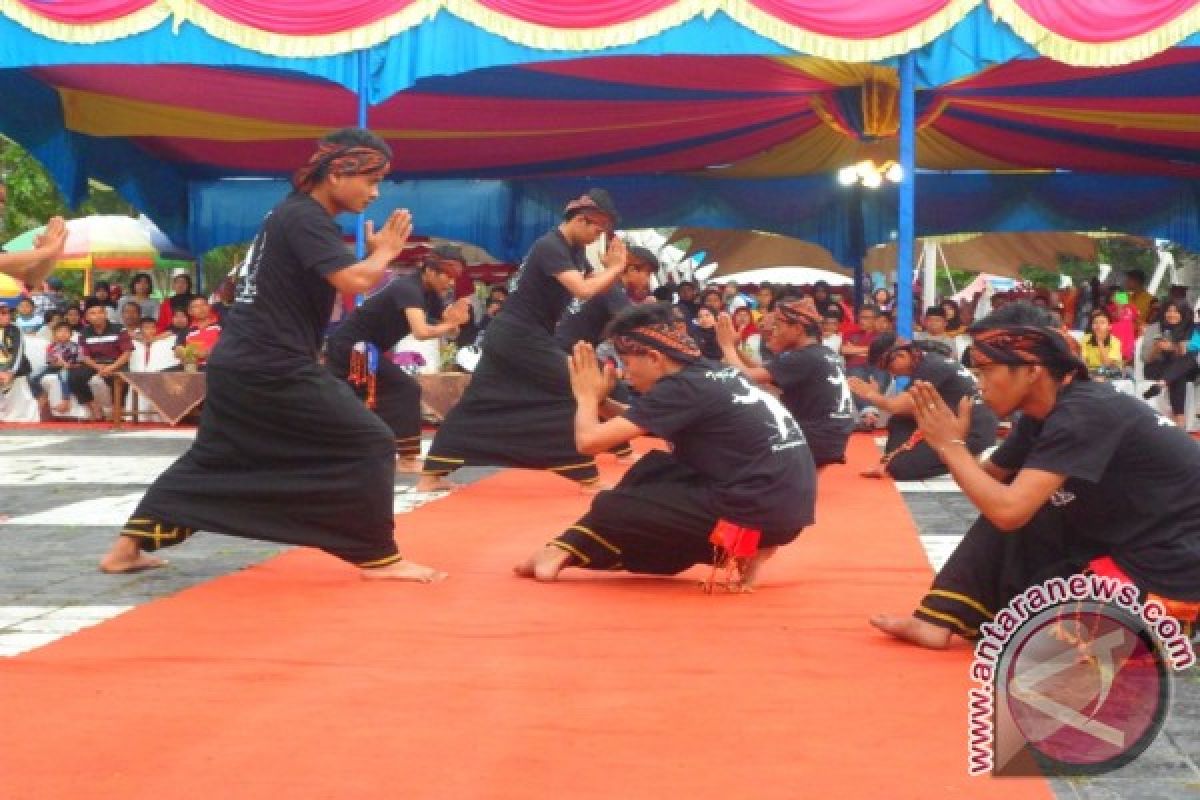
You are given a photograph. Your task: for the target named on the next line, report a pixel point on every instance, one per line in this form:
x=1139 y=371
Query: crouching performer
x=738 y=461
x=1090 y=480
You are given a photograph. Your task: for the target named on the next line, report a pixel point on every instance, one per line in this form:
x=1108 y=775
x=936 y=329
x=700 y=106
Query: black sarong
x=517 y=411
x=294 y=459
x=656 y=521
x=910 y=458
x=990 y=567
x=397 y=396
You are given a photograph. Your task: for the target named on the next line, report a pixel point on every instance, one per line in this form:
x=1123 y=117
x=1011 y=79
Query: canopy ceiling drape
x=171 y=94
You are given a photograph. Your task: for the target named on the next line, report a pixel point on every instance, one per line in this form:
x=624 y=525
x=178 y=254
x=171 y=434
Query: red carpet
x=297 y=680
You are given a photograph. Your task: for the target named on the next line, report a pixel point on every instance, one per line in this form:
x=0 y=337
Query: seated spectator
x=50 y=298
x=181 y=296
x=13 y=363
x=181 y=325
x=52 y=319
x=934 y=329
x=713 y=301
x=101 y=296
x=705 y=334
x=1166 y=358
x=1124 y=318
x=131 y=316
x=27 y=318
x=885 y=322
x=764 y=300
x=906 y=456
x=105 y=349
x=1101 y=350
x=882 y=299
x=687 y=299
x=61 y=355
x=855 y=347
x=733 y=298
x=954 y=320
x=203 y=334
x=141 y=289
x=743 y=324
x=1139 y=298
x=831 y=327
x=73 y=316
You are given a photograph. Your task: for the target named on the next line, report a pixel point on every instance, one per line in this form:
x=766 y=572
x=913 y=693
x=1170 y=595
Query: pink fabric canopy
x=1067 y=30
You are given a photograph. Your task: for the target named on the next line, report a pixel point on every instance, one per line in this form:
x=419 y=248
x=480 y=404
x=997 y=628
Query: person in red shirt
x=204 y=331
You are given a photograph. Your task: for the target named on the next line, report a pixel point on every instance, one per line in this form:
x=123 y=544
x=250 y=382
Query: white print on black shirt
x=787 y=430
x=1062 y=498
x=248 y=285
x=845 y=409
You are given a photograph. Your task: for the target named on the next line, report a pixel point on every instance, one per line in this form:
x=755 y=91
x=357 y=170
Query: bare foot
x=545 y=564
x=125 y=556
x=404 y=570
x=408 y=466
x=63 y=407
x=435 y=483
x=913 y=630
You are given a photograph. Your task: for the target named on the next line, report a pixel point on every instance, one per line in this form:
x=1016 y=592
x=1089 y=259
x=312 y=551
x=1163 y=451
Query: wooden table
x=173 y=395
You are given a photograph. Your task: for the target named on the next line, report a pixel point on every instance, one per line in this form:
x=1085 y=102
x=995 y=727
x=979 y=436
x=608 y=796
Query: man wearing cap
x=285 y=451
x=358 y=349
x=808 y=375
x=907 y=457
x=738 y=461
x=517 y=410
x=1089 y=480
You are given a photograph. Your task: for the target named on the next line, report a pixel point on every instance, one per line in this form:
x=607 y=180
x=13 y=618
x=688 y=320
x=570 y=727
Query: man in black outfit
x=808 y=375
x=357 y=351
x=285 y=451
x=737 y=458
x=1089 y=479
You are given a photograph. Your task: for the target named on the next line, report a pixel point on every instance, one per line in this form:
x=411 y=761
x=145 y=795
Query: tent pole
x=904 y=260
x=364 y=70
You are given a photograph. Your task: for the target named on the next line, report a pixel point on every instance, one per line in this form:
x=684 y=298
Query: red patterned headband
x=338 y=159
x=667 y=338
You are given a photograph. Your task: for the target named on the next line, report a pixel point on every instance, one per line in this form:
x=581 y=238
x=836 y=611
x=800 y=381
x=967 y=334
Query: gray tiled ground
x=49 y=570
x=1170 y=768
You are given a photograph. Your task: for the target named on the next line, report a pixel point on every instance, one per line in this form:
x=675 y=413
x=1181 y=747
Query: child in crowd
x=61 y=354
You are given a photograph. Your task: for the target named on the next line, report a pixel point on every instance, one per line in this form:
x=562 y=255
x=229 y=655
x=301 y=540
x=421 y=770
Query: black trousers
x=77 y=381
x=293 y=459
x=1177 y=373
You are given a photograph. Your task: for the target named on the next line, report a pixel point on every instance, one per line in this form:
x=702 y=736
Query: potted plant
x=189 y=355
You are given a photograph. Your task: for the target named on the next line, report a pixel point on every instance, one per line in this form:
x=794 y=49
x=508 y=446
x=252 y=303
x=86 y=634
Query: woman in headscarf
x=180 y=299
x=1166 y=358
x=285 y=451
x=1089 y=480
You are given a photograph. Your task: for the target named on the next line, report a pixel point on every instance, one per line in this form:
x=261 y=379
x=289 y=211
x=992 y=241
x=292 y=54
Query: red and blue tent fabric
x=166 y=95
